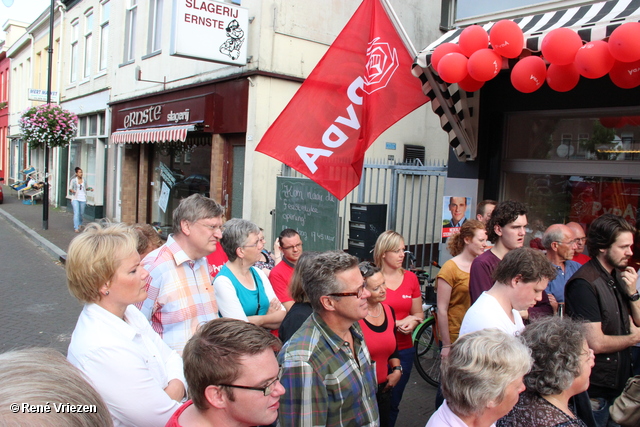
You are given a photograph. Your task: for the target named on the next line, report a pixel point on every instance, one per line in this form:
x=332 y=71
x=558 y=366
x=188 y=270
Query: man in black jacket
x=603 y=292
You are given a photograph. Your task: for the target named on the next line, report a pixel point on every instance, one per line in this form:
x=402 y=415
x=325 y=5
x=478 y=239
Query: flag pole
x=398 y=25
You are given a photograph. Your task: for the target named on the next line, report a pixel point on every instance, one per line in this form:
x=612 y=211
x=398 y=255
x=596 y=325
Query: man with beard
x=603 y=292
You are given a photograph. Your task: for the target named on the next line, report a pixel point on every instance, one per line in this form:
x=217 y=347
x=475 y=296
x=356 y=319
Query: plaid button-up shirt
x=179 y=294
x=326 y=383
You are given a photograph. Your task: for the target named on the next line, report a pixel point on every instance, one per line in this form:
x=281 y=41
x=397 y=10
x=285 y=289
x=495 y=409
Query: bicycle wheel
x=427 y=358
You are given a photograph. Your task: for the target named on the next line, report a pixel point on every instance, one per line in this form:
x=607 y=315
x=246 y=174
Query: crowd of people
x=210 y=328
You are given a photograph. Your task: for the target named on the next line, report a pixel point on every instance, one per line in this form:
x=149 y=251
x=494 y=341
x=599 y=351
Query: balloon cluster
x=471 y=62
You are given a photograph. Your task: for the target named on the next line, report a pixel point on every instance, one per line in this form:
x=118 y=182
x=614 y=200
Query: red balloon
x=441 y=51
x=560 y=46
x=625 y=74
x=484 y=64
x=468 y=84
x=528 y=74
x=473 y=38
x=452 y=68
x=624 y=42
x=593 y=60
x=612 y=122
x=506 y=38
x=562 y=78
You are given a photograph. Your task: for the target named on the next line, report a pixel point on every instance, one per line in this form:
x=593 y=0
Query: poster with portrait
x=455 y=211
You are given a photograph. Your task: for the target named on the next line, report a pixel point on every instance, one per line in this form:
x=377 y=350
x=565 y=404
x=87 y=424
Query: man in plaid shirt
x=180 y=294
x=327 y=370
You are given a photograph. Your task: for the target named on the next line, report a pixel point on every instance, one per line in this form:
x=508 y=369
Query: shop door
x=237 y=181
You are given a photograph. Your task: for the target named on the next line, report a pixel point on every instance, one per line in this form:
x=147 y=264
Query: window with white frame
x=73 y=71
x=155 y=26
x=88 y=41
x=105 y=10
x=130 y=31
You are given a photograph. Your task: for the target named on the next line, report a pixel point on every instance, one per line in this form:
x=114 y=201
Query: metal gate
x=413 y=195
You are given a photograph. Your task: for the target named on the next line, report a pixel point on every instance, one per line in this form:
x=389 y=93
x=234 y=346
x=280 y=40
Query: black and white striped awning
x=458 y=110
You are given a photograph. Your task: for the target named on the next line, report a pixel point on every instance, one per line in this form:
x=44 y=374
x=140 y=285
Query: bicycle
x=425 y=336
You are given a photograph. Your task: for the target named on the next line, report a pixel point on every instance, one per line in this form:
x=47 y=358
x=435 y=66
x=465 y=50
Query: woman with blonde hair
x=139 y=377
x=403 y=295
x=452 y=282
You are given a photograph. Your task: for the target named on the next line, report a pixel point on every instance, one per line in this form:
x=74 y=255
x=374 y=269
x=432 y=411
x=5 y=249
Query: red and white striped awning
x=165 y=134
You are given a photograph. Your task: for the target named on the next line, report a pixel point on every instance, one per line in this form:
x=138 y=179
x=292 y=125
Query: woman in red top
x=378 y=329
x=403 y=295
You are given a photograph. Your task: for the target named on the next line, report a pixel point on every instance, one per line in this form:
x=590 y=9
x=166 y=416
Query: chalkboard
x=309 y=209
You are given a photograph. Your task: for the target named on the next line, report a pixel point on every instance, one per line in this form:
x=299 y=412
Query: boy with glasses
x=233 y=376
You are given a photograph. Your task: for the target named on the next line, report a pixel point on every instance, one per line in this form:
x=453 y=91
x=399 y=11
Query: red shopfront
x=178 y=143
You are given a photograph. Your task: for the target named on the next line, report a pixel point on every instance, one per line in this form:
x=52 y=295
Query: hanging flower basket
x=48 y=124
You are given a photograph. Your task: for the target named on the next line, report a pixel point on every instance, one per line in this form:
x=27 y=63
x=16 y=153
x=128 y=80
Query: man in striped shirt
x=180 y=295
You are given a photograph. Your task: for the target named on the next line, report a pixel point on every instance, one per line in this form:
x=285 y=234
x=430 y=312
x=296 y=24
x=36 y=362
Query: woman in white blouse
x=243 y=291
x=136 y=373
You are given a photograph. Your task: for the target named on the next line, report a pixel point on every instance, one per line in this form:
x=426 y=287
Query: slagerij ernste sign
x=209 y=30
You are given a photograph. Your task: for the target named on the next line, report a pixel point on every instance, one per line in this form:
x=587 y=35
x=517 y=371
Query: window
x=104 y=33
x=414 y=154
x=88 y=40
x=155 y=26
x=130 y=31
x=73 y=76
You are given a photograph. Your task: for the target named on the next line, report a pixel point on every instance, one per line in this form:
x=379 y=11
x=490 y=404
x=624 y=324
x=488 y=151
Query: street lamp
x=45 y=196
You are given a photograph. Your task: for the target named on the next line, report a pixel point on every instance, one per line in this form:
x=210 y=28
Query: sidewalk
x=28 y=219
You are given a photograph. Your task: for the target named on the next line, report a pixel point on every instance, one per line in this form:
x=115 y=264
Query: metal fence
x=413 y=195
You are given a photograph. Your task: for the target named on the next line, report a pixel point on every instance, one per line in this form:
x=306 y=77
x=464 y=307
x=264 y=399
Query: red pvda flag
x=360 y=87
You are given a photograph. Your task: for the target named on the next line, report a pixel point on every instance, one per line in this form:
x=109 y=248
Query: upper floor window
x=105 y=10
x=88 y=41
x=73 y=71
x=130 y=31
x=155 y=25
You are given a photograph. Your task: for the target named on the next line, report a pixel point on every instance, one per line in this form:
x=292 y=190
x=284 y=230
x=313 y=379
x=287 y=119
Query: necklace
x=379 y=311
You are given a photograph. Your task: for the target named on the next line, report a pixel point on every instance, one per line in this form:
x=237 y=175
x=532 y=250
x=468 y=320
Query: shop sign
x=41 y=95
x=180 y=111
x=589 y=200
x=223 y=26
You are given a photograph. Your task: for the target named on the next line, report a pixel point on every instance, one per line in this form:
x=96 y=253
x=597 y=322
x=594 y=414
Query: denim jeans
x=600 y=408
x=406 y=360
x=78 y=213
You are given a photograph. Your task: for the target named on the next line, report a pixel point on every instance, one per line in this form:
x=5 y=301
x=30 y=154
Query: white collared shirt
x=127 y=363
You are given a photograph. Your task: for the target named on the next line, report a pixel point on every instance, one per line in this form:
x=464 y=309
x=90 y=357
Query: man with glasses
x=560 y=244
x=603 y=293
x=180 y=295
x=581 y=239
x=233 y=376
x=328 y=373
x=280 y=276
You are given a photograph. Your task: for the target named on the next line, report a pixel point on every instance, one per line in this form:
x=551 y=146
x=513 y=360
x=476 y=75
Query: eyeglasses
x=265 y=390
x=582 y=240
x=298 y=246
x=569 y=243
x=213 y=228
x=258 y=243
x=357 y=294
x=366 y=269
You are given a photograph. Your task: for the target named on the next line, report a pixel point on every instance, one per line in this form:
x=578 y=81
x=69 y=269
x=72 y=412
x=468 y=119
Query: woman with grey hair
x=562 y=363
x=481 y=379
x=243 y=291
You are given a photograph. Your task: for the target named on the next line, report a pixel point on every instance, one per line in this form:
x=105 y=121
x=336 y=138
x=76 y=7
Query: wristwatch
x=634 y=297
x=397 y=368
